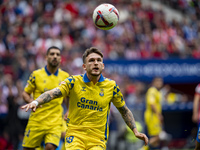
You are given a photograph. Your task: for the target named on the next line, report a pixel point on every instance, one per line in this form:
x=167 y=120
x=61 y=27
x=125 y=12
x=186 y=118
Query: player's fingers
x=34 y=108
x=27 y=108
x=65 y=118
x=146 y=139
x=24 y=106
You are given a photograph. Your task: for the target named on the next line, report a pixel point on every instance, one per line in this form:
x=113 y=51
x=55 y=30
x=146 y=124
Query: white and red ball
x=105 y=16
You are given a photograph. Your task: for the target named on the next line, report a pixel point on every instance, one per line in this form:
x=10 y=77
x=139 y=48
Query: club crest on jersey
x=102 y=92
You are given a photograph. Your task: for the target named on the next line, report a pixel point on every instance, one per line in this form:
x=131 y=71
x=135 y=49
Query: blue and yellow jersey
x=153 y=96
x=90 y=103
x=40 y=81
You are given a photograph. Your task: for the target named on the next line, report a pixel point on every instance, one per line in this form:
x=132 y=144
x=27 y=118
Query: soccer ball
x=105 y=16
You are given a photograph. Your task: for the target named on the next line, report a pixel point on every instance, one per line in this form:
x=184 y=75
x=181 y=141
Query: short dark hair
x=91 y=50
x=52 y=47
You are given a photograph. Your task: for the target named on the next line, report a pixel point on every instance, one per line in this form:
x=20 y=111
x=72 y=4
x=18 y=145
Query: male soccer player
x=196 y=112
x=90 y=96
x=153 y=114
x=46 y=123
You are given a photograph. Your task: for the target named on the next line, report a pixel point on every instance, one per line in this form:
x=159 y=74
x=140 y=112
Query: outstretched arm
x=130 y=121
x=27 y=97
x=43 y=98
x=195 y=108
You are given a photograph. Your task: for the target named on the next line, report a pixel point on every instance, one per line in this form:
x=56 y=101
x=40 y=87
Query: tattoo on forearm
x=47 y=96
x=127 y=116
x=57 y=93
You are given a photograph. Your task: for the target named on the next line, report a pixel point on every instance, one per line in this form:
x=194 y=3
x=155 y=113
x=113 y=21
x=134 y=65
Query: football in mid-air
x=105 y=16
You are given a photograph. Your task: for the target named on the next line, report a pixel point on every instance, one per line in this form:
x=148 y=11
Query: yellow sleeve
x=30 y=86
x=151 y=96
x=118 y=99
x=66 y=85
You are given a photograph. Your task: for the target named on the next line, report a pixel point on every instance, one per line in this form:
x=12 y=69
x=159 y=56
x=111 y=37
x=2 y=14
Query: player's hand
x=31 y=105
x=141 y=136
x=39 y=106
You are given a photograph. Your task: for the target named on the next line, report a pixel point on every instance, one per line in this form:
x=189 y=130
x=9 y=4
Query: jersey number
x=69 y=139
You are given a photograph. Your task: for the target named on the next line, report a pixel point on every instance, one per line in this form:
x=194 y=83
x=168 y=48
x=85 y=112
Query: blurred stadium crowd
x=29 y=27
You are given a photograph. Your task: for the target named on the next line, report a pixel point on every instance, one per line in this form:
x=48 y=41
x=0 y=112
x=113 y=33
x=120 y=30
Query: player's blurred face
x=93 y=64
x=158 y=83
x=53 y=58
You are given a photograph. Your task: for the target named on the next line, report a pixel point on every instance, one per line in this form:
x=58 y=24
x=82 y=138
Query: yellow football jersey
x=90 y=103
x=154 y=126
x=40 y=81
x=153 y=96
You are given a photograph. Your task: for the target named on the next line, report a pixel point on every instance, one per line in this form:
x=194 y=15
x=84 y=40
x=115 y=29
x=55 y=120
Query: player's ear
x=84 y=67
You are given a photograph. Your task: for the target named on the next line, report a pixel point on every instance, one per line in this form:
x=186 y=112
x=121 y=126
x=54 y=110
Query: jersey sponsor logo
x=83 y=89
x=89 y=104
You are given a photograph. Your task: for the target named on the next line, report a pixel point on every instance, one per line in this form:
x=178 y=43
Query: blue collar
x=86 y=80
x=48 y=73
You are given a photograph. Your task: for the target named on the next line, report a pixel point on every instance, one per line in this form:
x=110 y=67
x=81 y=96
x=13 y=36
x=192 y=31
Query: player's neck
x=52 y=70
x=93 y=79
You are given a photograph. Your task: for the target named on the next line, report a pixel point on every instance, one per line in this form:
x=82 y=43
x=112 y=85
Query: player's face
x=158 y=83
x=53 y=58
x=93 y=64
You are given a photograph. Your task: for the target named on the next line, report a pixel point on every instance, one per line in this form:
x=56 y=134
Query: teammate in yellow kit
x=153 y=114
x=46 y=123
x=90 y=96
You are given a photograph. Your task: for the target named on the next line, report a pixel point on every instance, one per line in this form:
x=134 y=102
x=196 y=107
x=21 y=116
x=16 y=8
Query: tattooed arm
x=127 y=116
x=43 y=98
x=130 y=121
